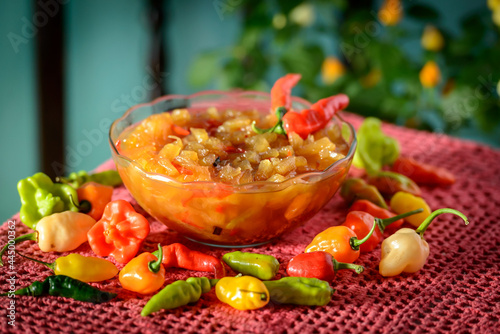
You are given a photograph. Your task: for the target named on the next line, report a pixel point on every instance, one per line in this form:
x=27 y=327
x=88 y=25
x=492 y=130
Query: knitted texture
x=456 y=291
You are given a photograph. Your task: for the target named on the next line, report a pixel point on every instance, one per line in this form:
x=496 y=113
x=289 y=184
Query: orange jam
x=220 y=146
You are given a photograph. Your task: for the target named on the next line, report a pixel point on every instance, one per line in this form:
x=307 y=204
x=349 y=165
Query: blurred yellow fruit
x=496 y=16
x=331 y=70
x=432 y=39
x=303 y=14
x=372 y=78
x=494 y=4
x=279 y=21
x=391 y=12
x=430 y=75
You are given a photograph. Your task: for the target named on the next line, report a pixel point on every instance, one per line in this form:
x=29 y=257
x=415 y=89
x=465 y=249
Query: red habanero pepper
x=179 y=256
x=94 y=196
x=423 y=173
x=119 y=233
x=377 y=212
x=320 y=265
x=282 y=91
x=362 y=223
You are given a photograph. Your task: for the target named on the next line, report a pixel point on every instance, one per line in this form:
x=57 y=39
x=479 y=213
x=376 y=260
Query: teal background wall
x=107 y=50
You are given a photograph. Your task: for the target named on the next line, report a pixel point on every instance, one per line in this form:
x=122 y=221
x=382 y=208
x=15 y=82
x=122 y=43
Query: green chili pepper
x=390 y=183
x=40 y=197
x=375 y=149
x=300 y=291
x=354 y=189
x=107 y=178
x=64 y=286
x=261 y=266
x=177 y=294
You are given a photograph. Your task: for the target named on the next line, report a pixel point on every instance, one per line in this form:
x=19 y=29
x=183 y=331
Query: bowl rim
x=235 y=187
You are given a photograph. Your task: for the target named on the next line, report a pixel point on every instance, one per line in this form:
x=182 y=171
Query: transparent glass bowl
x=221 y=214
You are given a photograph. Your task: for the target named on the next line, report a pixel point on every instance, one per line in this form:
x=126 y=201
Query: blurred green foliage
x=378 y=73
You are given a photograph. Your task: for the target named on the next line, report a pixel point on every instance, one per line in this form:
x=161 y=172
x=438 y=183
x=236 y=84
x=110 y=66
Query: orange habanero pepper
x=93 y=198
x=144 y=274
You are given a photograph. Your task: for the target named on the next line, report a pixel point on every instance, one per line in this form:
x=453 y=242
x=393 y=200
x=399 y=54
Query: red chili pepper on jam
x=377 y=212
x=308 y=120
x=361 y=223
x=423 y=173
x=282 y=91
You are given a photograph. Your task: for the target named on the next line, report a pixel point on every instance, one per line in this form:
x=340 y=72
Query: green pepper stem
x=84 y=206
x=263 y=295
x=155 y=266
x=383 y=223
x=51 y=266
x=341 y=265
x=355 y=242
x=277 y=128
x=30 y=236
x=214 y=281
x=425 y=224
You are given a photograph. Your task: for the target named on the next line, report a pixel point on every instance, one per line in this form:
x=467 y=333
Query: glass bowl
x=221 y=214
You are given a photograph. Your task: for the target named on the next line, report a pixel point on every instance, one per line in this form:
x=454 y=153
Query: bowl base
x=228 y=246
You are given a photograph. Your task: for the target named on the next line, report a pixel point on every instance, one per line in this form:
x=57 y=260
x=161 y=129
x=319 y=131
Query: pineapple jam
x=220 y=146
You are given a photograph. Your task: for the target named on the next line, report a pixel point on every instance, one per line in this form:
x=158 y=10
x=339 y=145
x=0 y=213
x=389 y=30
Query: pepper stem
x=51 y=266
x=83 y=207
x=30 y=236
x=355 y=242
x=425 y=224
x=263 y=295
x=341 y=265
x=155 y=266
x=383 y=223
x=278 y=127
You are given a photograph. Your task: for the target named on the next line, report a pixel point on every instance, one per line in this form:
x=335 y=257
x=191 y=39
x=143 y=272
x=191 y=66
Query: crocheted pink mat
x=457 y=291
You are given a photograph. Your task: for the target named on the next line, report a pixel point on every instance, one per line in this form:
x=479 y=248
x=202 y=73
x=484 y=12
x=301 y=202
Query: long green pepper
x=177 y=294
x=64 y=286
x=40 y=197
x=300 y=291
x=262 y=266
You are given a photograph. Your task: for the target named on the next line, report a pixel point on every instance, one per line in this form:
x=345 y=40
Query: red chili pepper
x=307 y=121
x=282 y=91
x=377 y=212
x=423 y=173
x=320 y=265
x=362 y=223
x=119 y=233
x=179 y=256
x=180 y=130
x=389 y=183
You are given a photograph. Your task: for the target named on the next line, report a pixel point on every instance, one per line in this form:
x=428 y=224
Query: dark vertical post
x=50 y=87
x=157 y=54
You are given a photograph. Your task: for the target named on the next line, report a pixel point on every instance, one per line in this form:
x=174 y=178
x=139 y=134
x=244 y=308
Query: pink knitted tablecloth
x=457 y=291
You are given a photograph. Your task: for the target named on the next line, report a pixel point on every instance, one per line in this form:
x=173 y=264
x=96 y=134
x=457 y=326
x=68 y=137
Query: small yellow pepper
x=403 y=202
x=406 y=250
x=243 y=292
x=432 y=39
x=83 y=268
x=430 y=75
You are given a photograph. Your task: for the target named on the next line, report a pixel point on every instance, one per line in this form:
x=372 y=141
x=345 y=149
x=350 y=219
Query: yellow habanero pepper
x=242 y=293
x=83 y=268
x=406 y=250
x=403 y=202
x=59 y=232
